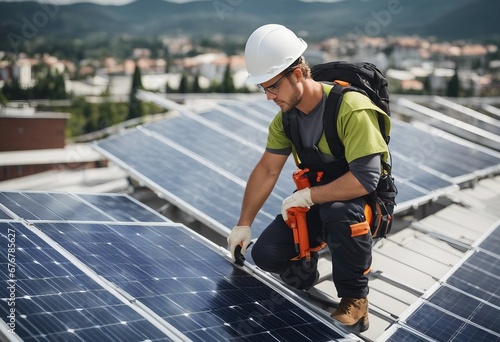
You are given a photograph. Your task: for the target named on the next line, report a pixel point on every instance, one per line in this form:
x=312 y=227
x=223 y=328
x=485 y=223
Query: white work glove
x=240 y=235
x=301 y=198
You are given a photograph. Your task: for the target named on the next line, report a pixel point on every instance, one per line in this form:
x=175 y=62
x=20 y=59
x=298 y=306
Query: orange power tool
x=297 y=219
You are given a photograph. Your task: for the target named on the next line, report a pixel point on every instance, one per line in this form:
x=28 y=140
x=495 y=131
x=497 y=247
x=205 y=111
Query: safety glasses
x=273 y=88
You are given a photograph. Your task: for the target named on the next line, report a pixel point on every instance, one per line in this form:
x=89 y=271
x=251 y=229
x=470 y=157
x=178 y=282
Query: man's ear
x=297 y=73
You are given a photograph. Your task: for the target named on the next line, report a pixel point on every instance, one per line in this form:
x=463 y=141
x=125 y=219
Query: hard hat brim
x=258 y=79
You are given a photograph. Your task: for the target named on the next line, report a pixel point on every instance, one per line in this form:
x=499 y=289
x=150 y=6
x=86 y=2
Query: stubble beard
x=293 y=101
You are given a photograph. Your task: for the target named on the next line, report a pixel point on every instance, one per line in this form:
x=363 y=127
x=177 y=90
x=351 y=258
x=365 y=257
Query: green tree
x=427 y=85
x=184 y=84
x=227 y=85
x=136 y=108
x=453 y=86
x=196 y=83
x=168 y=62
x=107 y=114
x=3 y=99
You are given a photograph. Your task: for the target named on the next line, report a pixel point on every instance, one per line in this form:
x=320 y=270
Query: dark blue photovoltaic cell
x=402 y=335
x=492 y=243
x=56 y=301
x=256 y=133
x=54 y=206
x=405 y=172
x=4 y=215
x=444 y=327
x=473 y=295
x=437 y=152
x=63 y=206
x=191 y=286
x=223 y=151
x=478 y=312
x=264 y=114
x=197 y=185
x=479 y=276
x=228 y=154
x=123 y=209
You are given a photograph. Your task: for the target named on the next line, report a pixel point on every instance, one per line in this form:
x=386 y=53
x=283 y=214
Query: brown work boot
x=353 y=313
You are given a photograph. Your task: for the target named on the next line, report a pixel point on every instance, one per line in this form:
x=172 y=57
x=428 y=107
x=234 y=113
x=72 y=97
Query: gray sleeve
x=367 y=170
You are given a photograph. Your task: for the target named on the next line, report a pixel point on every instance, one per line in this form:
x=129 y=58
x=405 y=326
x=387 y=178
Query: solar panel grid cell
x=469 y=308
x=198 y=185
x=436 y=152
x=492 y=243
x=181 y=278
x=55 y=300
x=441 y=326
x=122 y=208
x=63 y=206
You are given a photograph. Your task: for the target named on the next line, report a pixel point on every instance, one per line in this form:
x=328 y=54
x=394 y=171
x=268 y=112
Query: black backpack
x=368 y=79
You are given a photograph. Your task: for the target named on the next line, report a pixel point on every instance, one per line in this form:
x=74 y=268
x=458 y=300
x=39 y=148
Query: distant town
x=413 y=65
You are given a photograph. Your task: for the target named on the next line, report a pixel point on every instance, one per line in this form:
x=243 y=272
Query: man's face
x=283 y=90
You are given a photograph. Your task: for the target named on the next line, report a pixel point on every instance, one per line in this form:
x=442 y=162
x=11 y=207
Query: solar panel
x=442 y=326
x=492 y=243
x=466 y=305
x=50 y=299
x=216 y=149
x=403 y=335
x=185 y=281
x=205 y=190
x=469 y=308
x=196 y=137
x=468 y=115
x=123 y=208
x=4 y=215
x=138 y=281
x=254 y=130
x=232 y=156
x=437 y=153
x=261 y=115
x=446 y=123
x=73 y=207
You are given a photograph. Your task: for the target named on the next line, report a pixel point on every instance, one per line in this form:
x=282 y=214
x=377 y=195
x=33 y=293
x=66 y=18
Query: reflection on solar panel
x=63 y=206
x=208 y=191
x=442 y=156
x=466 y=307
x=85 y=279
x=446 y=123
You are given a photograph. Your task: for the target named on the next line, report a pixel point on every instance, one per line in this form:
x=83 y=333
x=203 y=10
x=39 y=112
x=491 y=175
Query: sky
x=121 y=2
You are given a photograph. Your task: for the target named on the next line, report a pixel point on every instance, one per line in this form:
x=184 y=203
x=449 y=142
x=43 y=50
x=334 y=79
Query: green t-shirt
x=357 y=127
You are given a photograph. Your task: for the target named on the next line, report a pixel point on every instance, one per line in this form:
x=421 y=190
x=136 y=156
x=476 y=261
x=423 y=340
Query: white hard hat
x=270 y=49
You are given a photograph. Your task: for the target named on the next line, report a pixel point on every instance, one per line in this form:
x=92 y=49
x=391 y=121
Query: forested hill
x=444 y=19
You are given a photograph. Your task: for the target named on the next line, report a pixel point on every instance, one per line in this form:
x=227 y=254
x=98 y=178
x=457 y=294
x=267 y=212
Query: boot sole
x=360 y=326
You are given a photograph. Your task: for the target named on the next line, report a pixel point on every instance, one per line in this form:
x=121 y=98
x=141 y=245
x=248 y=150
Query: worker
x=336 y=201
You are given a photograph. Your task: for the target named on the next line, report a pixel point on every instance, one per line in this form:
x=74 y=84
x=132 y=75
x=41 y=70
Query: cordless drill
x=297 y=218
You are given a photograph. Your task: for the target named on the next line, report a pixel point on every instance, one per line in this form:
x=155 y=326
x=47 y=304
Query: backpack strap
x=331 y=113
